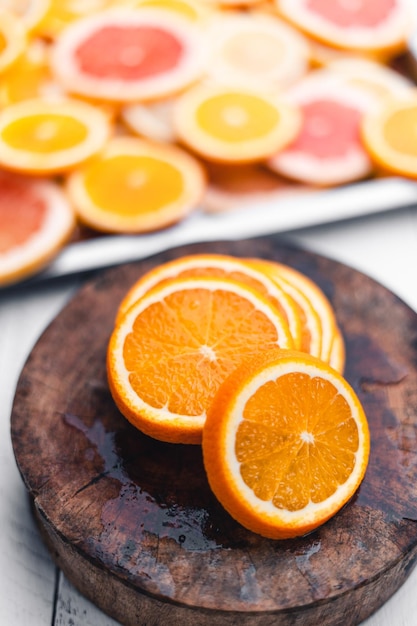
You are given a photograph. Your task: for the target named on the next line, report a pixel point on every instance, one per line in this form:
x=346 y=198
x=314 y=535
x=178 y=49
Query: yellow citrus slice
x=257 y=51
x=12 y=39
x=327 y=149
x=47 y=136
x=128 y=55
x=233 y=125
x=218 y=265
x=170 y=352
x=36 y=220
x=364 y=25
x=29 y=12
x=390 y=136
x=135 y=186
x=285 y=444
x=30 y=76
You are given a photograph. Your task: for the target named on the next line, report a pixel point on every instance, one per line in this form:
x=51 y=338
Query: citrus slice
x=327 y=149
x=30 y=76
x=12 y=39
x=390 y=136
x=337 y=357
x=169 y=353
x=61 y=13
x=233 y=125
x=28 y=12
x=186 y=8
x=361 y=25
x=48 y=136
x=36 y=220
x=218 y=265
x=256 y=51
x=135 y=186
x=285 y=444
x=128 y=55
x=311 y=326
x=233 y=187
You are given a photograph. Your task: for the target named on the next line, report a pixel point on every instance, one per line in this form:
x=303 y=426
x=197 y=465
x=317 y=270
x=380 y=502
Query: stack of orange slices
x=211 y=349
x=221 y=93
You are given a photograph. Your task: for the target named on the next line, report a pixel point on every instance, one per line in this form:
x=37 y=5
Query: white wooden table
x=32 y=591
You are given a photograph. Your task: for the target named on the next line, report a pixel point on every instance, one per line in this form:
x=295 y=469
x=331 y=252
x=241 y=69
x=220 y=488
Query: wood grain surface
x=132 y=521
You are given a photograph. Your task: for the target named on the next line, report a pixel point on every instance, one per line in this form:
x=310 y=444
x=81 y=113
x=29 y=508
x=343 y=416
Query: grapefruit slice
x=233 y=125
x=36 y=220
x=362 y=25
x=327 y=149
x=135 y=186
x=128 y=55
x=256 y=51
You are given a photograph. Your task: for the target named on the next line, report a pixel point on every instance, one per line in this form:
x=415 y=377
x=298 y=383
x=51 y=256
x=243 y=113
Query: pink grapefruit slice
x=328 y=149
x=125 y=55
x=376 y=26
x=36 y=220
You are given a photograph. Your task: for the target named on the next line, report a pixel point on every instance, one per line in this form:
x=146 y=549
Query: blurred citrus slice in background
x=40 y=136
x=36 y=220
x=189 y=9
x=366 y=26
x=233 y=125
x=218 y=265
x=128 y=55
x=285 y=444
x=135 y=186
x=12 y=39
x=170 y=352
x=390 y=136
x=28 y=12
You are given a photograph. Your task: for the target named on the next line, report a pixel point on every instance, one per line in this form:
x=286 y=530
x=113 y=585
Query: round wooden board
x=132 y=521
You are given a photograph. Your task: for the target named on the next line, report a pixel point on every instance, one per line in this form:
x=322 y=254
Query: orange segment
x=390 y=136
x=170 y=352
x=36 y=220
x=40 y=136
x=128 y=55
x=221 y=266
x=285 y=444
x=233 y=125
x=136 y=186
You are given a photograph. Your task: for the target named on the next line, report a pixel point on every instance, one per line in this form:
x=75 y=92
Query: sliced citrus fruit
x=128 y=55
x=233 y=125
x=327 y=149
x=28 y=12
x=36 y=220
x=362 y=25
x=218 y=265
x=337 y=357
x=256 y=51
x=12 y=39
x=40 y=136
x=186 y=8
x=169 y=353
x=152 y=120
x=390 y=136
x=285 y=444
x=30 y=76
x=311 y=327
x=233 y=187
x=135 y=186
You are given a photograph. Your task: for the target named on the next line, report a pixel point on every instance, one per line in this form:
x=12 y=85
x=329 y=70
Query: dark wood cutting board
x=132 y=521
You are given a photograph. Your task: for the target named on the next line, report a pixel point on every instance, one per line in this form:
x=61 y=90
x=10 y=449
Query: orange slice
x=29 y=12
x=41 y=136
x=170 y=352
x=136 y=186
x=30 y=76
x=285 y=444
x=218 y=265
x=36 y=220
x=233 y=187
x=256 y=51
x=363 y=25
x=233 y=125
x=390 y=136
x=327 y=149
x=128 y=55
x=12 y=39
